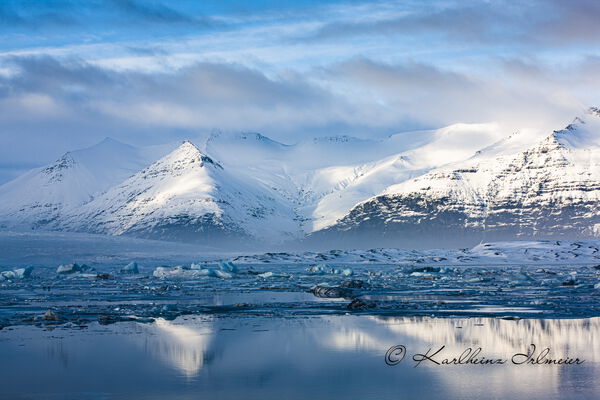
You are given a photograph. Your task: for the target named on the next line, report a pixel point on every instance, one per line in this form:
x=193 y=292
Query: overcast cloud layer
x=73 y=72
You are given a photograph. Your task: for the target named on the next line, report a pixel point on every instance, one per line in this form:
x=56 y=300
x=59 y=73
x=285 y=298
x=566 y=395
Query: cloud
x=48 y=104
x=461 y=21
x=158 y=12
x=368 y=69
x=512 y=92
x=493 y=23
x=568 y=23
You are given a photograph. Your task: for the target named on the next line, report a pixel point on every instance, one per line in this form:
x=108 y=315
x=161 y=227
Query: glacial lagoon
x=270 y=331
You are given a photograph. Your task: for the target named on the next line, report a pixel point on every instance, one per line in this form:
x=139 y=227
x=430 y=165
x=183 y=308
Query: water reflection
x=503 y=337
x=498 y=338
x=499 y=335
x=184 y=347
x=315 y=357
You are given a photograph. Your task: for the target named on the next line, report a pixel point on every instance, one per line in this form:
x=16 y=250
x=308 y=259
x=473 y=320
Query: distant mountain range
x=453 y=186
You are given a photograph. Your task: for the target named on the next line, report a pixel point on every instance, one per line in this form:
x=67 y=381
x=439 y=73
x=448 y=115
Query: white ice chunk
x=323 y=269
x=180 y=272
x=15 y=274
x=316 y=270
x=68 y=269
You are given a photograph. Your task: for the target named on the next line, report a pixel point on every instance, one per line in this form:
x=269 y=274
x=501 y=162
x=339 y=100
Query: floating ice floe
x=424 y=275
x=270 y=274
x=131 y=268
x=316 y=270
x=15 y=274
x=219 y=274
x=50 y=316
x=323 y=269
x=73 y=268
x=194 y=271
x=175 y=272
x=229 y=267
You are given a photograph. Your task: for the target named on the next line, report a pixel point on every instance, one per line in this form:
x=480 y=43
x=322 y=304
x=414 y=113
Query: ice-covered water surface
x=77 y=294
x=273 y=357
x=154 y=320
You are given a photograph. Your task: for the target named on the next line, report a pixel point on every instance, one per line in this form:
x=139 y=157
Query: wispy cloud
x=72 y=72
x=157 y=12
x=497 y=22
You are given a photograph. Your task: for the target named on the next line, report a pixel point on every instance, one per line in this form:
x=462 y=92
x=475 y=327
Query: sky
x=147 y=72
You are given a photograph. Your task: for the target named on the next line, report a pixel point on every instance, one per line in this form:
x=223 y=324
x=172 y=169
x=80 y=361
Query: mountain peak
x=189 y=151
x=583 y=133
x=595 y=111
x=186 y=144
x=62 y=164
x=108 y=139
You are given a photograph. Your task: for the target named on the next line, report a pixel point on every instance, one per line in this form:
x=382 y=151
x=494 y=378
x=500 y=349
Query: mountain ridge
x=551 y=189
x=459 y=184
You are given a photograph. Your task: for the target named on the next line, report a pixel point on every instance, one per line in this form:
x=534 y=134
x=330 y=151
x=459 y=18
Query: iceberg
x=180 y=272
x=19 y=273
x=342 y=271
x=131 y=268
x=316 y=270
x=322 y=269
x=72 y=268
x=229 y=267
x=50 y=316
x=221 y=274
x=172 y=272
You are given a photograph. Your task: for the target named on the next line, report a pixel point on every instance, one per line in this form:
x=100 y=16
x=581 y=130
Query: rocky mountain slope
x=452 y=186
x=549 y=190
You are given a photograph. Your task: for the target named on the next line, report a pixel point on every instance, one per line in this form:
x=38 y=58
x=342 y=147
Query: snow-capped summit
x=186 y=195
x=456 y=185
x=42 y=196
x=550 y=189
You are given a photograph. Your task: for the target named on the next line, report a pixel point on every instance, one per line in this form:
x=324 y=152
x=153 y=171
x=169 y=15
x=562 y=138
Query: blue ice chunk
x=229 y=267
x=131 y=268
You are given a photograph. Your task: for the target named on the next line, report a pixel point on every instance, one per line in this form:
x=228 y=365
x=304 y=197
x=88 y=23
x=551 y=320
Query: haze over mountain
x=452 y=186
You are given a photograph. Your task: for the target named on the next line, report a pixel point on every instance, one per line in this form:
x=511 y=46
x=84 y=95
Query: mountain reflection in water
x=299 y=357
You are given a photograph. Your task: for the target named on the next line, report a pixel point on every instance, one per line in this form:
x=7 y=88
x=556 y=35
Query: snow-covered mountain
x=43 y=196
x=455 y=185
x=186 y=195
x=549 y=190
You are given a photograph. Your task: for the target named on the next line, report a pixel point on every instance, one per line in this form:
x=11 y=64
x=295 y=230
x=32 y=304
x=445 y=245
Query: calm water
x=262 y=357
